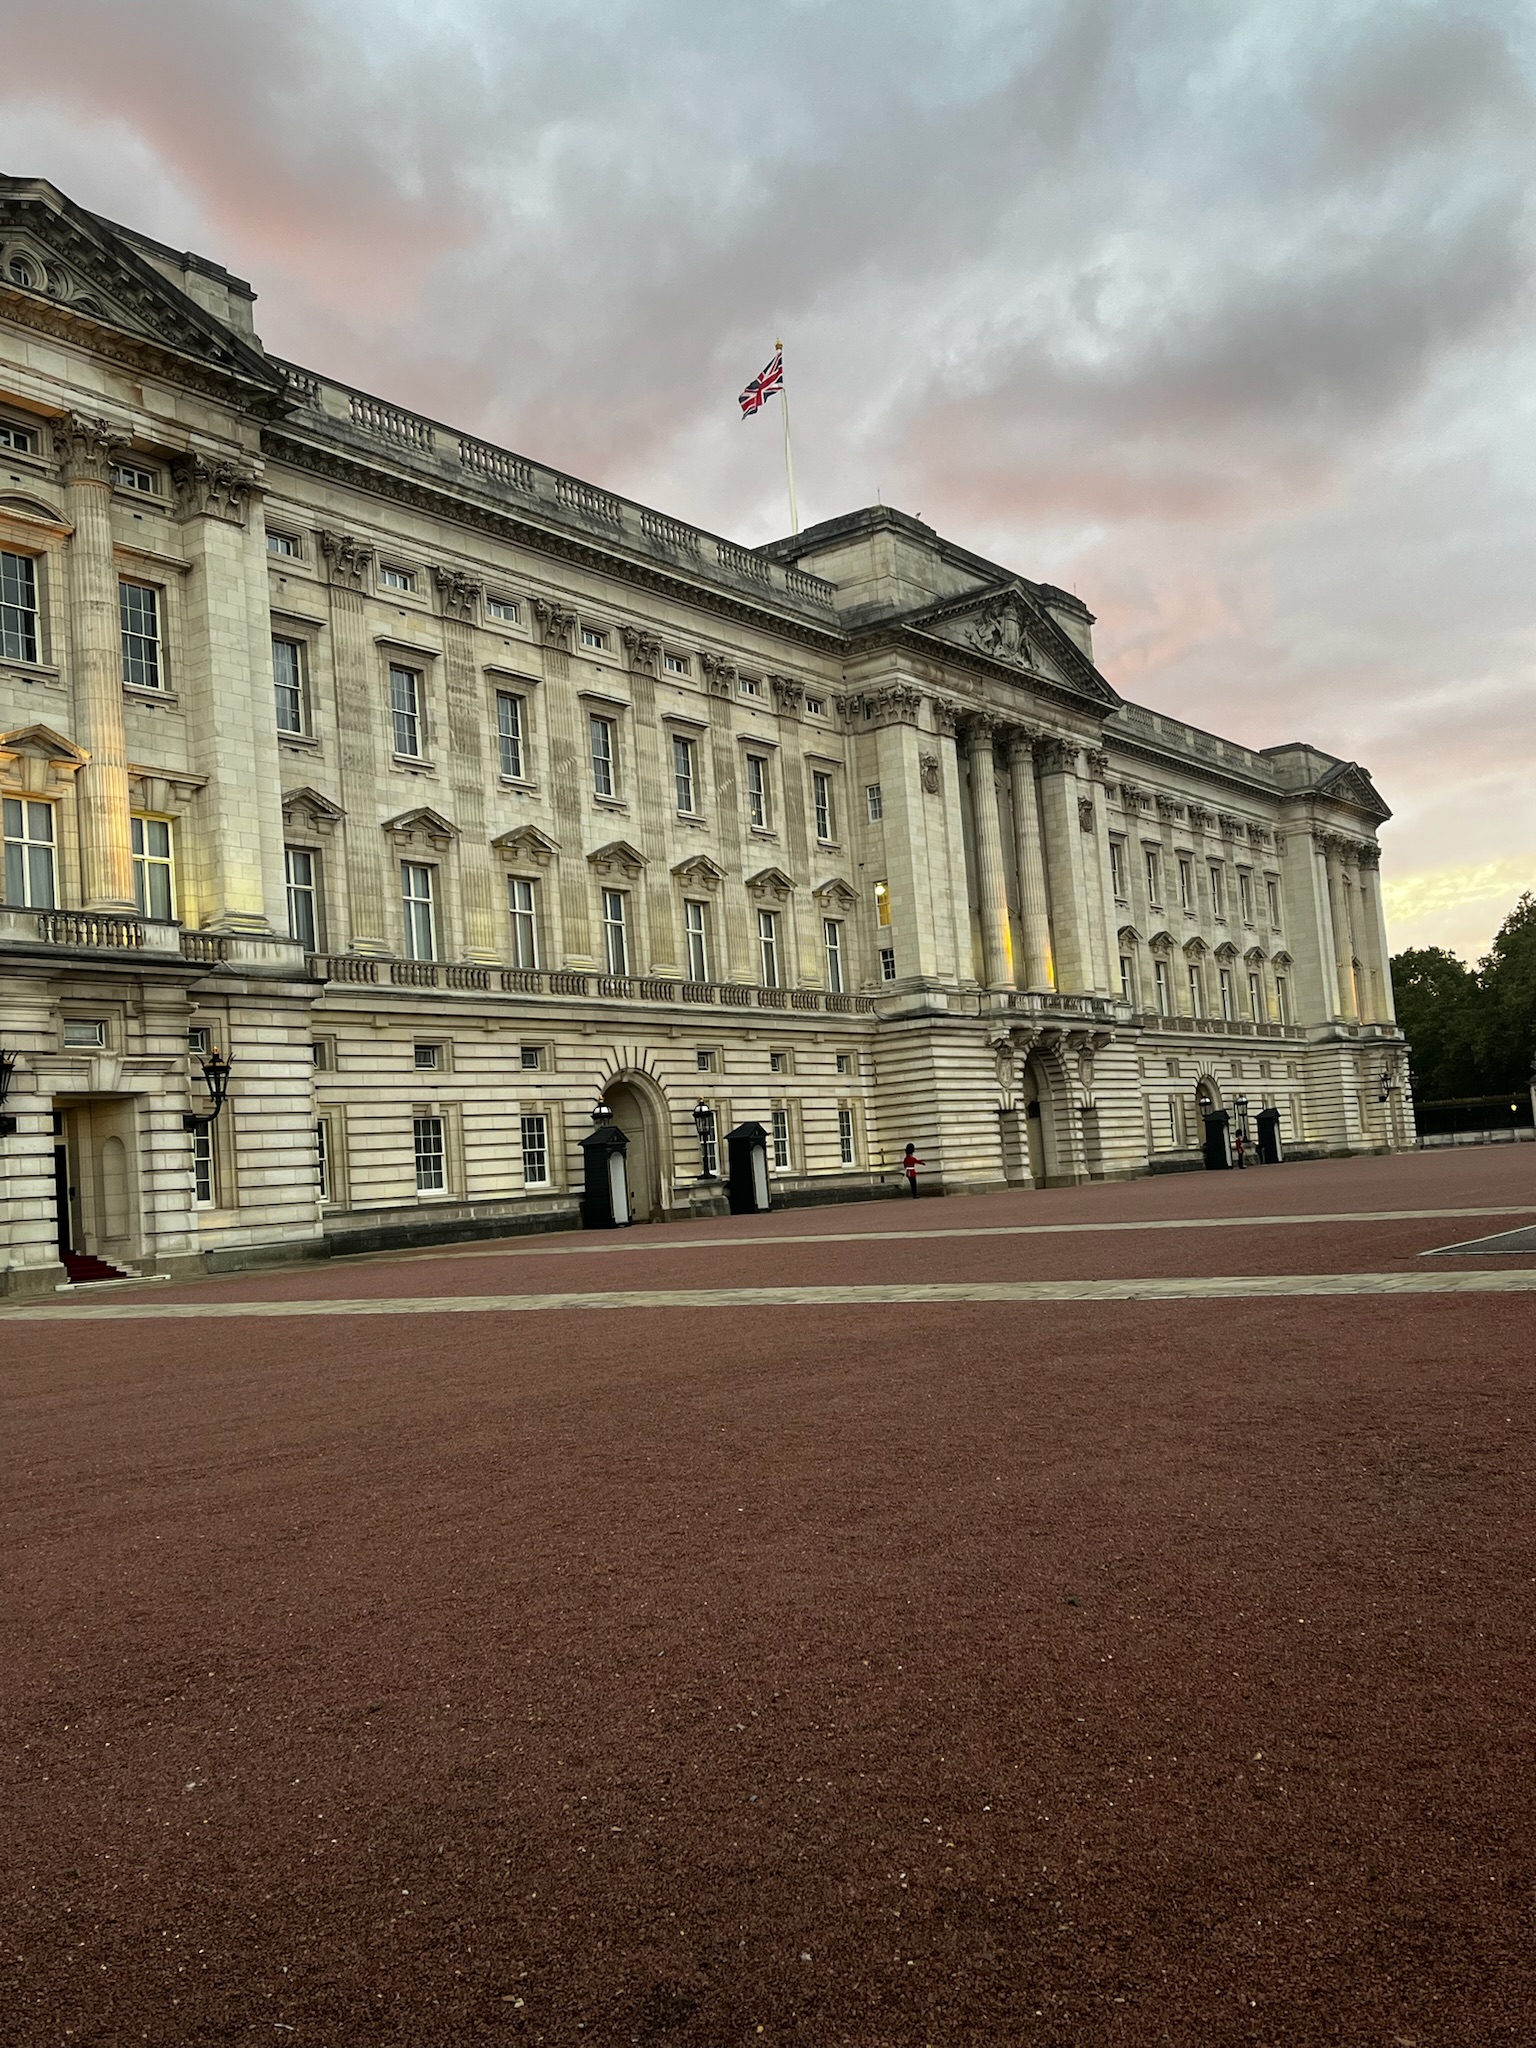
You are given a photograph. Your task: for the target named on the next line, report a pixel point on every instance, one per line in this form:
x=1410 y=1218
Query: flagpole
x=789 y=460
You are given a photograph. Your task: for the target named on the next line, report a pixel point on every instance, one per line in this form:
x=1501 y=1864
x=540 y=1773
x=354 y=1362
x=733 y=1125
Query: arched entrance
x=639 y=1112
x=1039 y=1109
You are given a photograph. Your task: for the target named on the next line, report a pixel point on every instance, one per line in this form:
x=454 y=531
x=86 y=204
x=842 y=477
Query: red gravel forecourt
x=1072 y=1673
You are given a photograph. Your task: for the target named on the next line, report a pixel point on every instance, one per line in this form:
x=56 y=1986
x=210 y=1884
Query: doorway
x=1039 y=1126
x=637 y=1116
x=95 y=1182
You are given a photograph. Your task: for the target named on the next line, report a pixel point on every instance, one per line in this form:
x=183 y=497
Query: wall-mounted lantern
x=709 y=1155
x=215 y=1068
x=7 y=1070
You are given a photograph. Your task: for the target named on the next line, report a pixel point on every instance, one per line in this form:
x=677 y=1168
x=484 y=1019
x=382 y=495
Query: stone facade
x=450 y=794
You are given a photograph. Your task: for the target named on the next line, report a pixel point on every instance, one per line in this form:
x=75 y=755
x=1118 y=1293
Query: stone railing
x=1218 y=1027
x=458 y=459
x=90 y=928
x=206 y=947
x=357 y=968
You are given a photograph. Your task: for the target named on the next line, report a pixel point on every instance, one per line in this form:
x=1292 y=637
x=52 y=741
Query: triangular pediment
x=1007 y=624
x=835 y=893
x=64 y=268
x=770 y=882
x=618 y=855
x=1349 y=784
x=308 y=802
x=525 y=843
x=421 y=823
x=700 y=870
x=44 y=741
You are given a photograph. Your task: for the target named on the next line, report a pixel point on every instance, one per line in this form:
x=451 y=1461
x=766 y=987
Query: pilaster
x=569 y=770
x=359 y=722
x=483 y=918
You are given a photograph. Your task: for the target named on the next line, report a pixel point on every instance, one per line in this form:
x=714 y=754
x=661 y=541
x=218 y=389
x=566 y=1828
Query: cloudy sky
x=1217 y=311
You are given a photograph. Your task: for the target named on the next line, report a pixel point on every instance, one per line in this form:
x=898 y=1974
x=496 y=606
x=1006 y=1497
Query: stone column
x=360 y=710
x=991 y=886
x=1338 y=917
x=1064 y=868
x=1039 y=963
x=1374 y=918
x=219 y=693
x=653 y=804
x=570 y=770
x=484 y=919
x=86 y=450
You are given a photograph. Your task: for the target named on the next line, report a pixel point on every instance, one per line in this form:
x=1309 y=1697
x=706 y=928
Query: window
x=1218 y=890
x=768 y=947
x=288 y=683
x=530 y=1058
x=846 y=1063
x=887 y=963
x=202 y=1167
x=675 y=664
x=1245 y=894
x=525 y=932
x=154 y=882
x=816 y=707
x=405 y=711
x=85 y=1034
x=509 y=734
x=682 y=773
x=535 y=1151
x=502 y=608
x=875 y=802
x=821 y=798
x=616 y=930
x=20 y=440
x=781 y=1158
x=431 y=1158
x=704 y=1060
x=29 y=870
x=200 y=1039
x=1187 y=886
x=283 y=544
x=757 y=792
x=138 y=610
x=1164 y=990
x=1154 y=875
x=778 y=1062
x=1256 y=1000
x=1228 y=994
x=604 y=738
x=323 y=1053
x=21 y=272
x=419 y=905
x=1127 y=978
x=426 y=1058
x=392 y=578
x=595 y=638
x=1117 y=867
x=1196 y=993
x=832 y=939
x=695 y=931
x=845 y=1146
x=749 y=686
x=323 y=1159
x=18 y=608
x=303 y=896
x=1272 y=896
x=128 y=476
x=1283 y=998
x=882 y=903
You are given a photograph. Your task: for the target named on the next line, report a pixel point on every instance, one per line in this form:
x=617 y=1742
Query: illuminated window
x=154 y=878
x=882 y=903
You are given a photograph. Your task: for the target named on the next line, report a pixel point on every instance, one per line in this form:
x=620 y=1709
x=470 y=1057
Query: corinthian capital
x=642 y=650
x=457 y=593
x=346 y=558
x=208 y=487
x=978 y=731
x=87 y=448
x=555 y=622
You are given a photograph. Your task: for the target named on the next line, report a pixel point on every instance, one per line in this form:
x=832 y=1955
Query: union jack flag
x=763 y=386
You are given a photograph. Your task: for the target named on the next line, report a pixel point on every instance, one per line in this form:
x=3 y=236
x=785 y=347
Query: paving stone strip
x=1225 y=1287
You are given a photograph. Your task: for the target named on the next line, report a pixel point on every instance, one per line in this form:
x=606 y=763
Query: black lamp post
x=7 y=1070
x=215 y=1068
x=704 y=1124
x=1240 y=1104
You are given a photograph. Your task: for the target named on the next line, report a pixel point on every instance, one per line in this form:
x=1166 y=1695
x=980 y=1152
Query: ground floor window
x=845 y=1138
x=431 y=1156
x=781 y=1156
x=323 y=1160
x=536 y=1151
x=204 y=1175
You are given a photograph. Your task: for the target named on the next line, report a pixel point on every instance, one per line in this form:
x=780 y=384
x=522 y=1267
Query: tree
x=1438 y=999
x=1505 y=1024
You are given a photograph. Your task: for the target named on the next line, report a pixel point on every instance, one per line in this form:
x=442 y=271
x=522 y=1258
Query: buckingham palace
x=379 y=804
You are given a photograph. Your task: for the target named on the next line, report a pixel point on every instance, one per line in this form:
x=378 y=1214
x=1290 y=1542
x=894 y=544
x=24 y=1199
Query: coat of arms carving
x=998 y=630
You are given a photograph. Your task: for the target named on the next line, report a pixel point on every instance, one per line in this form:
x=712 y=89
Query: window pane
x=405 y=711
x=833 y=934
x=768 y=947
x=524 y=930
x=698 y=949
x=682 y=768
x=430 y=1174
x=139 y=618
x=602 y=756
x=509 y=734
x=535 y=1132
x=615 y=934
x=287 y=678
x=18 y=608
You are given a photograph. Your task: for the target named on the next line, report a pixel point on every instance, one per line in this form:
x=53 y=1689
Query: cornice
x=900 y=637
x=341 y=466
x=1123 y=743
x=61 y=322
